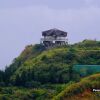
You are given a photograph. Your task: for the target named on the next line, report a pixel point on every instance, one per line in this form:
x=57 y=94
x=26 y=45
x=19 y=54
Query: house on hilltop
x=54 y=37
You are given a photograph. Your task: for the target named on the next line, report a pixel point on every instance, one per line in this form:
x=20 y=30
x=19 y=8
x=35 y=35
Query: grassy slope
x=55 y=57
x=38 y=61
x=82 y=90
x=31 y=52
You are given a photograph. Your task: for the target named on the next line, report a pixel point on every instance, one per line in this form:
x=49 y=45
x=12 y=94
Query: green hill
x=42 y=74
x=36 y=64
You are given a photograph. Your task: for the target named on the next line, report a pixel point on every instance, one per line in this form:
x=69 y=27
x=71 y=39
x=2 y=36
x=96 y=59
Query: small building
x=54 y=37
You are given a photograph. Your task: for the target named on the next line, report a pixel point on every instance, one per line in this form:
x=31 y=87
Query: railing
x=54 y=39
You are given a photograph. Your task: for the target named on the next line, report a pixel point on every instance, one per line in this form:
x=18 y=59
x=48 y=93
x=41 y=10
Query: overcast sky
x=21 y=23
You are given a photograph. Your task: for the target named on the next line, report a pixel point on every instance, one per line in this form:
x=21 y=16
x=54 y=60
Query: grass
x=77 y=89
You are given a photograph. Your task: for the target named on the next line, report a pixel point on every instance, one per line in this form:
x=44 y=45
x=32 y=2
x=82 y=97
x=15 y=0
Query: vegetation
x=41 y=74
x=78 y=90
x=43 y=92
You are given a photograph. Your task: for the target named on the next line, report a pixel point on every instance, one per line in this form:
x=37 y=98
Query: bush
x=32 y=84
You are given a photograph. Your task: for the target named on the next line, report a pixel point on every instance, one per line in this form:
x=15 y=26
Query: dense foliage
x=40 y=69
x=45 y=92
x=76 y=90
x=56 y=65
x=30 y=52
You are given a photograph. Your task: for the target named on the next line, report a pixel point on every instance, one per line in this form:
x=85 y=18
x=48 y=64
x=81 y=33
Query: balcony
x=54 y=39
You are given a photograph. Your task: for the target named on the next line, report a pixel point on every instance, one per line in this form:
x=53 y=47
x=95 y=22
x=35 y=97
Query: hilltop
x=50 y=71
x=53 y=65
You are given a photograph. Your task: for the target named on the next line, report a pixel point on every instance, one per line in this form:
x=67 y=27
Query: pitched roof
x=54 y=32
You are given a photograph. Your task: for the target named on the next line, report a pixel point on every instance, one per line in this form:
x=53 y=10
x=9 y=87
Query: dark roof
x=54 y=32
